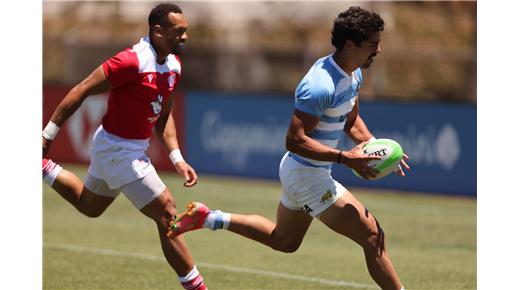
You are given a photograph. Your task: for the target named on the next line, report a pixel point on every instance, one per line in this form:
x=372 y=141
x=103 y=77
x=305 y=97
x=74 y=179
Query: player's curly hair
x=356 y=24
x=159 y=14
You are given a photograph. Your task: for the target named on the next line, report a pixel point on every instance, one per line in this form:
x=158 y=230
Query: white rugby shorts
x=118 y=164
x=307 y=188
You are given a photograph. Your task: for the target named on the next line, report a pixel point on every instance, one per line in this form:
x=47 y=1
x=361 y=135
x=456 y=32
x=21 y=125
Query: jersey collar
x=331 y=59
x=148 y=43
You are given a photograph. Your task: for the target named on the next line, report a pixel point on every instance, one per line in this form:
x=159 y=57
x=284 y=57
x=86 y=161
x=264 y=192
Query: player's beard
x=369 y=61
x=178 y=49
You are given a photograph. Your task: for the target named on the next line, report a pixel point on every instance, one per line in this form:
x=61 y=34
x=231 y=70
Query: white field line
x=110 y=252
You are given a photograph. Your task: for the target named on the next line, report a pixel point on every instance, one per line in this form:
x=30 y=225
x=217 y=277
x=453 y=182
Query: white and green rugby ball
x=391 y=155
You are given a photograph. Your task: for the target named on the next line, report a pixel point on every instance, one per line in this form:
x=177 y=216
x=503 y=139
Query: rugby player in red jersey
x=141 y=80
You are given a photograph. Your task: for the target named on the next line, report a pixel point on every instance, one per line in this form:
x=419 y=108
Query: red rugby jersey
x=140 y=87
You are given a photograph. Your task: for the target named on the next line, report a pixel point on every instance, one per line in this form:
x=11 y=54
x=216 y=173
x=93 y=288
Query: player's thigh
x=309 y=188
x=151 y=196
x=96 y=196
x=348 y=217
x=93 y=203
x=291 y=225
x=148 y=194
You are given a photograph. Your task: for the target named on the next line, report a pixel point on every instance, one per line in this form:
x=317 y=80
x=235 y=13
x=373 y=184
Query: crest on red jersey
x=156 y=105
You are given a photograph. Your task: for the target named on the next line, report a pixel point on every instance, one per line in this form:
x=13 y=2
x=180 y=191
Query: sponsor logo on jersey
x=150 y=78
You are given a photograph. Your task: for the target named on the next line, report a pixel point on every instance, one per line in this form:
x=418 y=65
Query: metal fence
x=428 y=48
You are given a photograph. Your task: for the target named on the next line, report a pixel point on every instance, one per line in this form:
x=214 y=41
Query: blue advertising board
x=245 y=136
x=236 y=135
x=441 y=141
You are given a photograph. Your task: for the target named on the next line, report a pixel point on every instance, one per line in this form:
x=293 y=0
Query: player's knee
x=287 y=245
x=168 y=213
x=289 y=248
x=92 y=212
x=375 y=241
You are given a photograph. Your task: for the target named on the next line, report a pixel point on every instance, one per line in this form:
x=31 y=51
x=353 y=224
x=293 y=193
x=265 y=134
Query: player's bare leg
x=72 y=189
x=285 y=236
x=162 y=210
x=350 y=218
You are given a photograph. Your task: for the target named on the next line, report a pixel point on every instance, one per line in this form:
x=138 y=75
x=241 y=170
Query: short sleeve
x=121 y=68
x=311 y=99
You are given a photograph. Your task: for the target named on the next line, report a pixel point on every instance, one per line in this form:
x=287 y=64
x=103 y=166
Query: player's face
x=369 y=49
x=175 y=35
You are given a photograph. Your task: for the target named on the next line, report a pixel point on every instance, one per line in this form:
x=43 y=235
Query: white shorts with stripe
x=307 y=188
x=119 y=164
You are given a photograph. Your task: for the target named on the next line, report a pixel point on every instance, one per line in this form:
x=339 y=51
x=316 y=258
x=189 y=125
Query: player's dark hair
x=159 y=14
x=356 y=24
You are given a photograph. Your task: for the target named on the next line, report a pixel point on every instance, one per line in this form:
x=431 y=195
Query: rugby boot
x=192 y=219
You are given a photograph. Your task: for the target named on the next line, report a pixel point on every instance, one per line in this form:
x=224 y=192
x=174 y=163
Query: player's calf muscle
x=69 y=186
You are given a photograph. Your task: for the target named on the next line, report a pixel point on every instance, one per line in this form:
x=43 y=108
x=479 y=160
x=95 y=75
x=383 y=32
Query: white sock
x=191 y=275
x=50 y=172
x=193 y=281
x=217 y=219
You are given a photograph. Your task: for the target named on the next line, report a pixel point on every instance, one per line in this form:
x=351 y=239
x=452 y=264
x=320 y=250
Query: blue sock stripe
x=218 y=224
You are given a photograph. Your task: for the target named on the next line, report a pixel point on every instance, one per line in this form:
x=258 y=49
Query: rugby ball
x=391 y=155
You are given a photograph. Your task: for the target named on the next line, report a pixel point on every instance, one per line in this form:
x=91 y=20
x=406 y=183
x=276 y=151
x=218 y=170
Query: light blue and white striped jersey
x=329 y=92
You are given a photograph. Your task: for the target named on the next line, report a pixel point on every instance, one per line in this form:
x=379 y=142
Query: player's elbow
x=289 y=146
x=293 y=142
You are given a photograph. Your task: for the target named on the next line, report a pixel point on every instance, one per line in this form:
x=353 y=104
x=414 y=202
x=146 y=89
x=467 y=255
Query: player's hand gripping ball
x=391 y=155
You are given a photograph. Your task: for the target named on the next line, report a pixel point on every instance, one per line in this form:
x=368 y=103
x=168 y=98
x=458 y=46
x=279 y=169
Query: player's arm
x=358 y=131
x=355 y=127
x=165 y=130
x=95 y=83
x=299 y=142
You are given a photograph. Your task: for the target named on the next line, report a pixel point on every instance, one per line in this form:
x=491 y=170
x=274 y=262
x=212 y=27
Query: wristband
x=176 y=156
x=372 y=139
x=339 y=156
x=50 y=131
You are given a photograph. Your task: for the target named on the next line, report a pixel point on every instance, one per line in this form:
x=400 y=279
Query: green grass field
x=432 y=242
